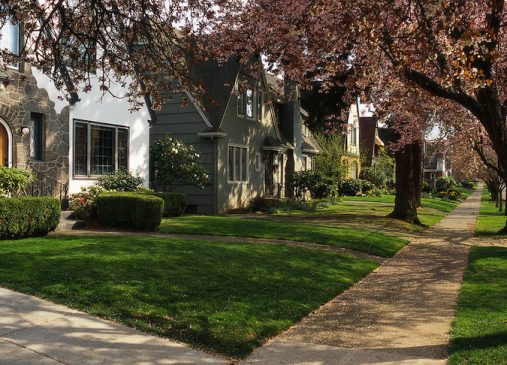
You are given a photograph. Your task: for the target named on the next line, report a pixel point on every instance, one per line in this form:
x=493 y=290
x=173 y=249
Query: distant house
x=436 y=163
x=67 y=143
x=369 y=139
x=352 y=156
x=250 y=139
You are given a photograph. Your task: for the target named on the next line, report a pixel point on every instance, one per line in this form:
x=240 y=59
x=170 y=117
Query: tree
x=130 y=43
x=173 y=162
x=447 y=50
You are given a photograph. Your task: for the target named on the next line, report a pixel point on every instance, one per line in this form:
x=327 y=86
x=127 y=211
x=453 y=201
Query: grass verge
x=225 y=297
x=356 y=239
x=479 y=334
x=490 y=220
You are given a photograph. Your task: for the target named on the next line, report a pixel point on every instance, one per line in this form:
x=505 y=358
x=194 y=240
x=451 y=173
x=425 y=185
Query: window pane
x=249 y=103
x=102 y=150
x=241 y=103
x=123 y=150
x=80 y=148
x=244 y=165
x=36 y=137
x=10 y=37
x=237 y=162
x=231 y=163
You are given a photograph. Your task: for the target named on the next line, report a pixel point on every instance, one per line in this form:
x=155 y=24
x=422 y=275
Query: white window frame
x=237 y=180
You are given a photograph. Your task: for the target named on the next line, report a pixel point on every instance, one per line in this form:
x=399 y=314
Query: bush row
x=28 y=216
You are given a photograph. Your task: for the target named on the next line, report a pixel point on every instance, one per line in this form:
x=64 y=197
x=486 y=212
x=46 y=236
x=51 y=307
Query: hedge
x=174 y=203
x=129 y=210
x=28 y=216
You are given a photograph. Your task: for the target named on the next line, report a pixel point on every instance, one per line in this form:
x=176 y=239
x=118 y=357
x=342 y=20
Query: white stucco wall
x=106 y=109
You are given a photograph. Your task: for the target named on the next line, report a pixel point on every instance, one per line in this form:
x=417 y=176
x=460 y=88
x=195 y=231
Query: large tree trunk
x=407 y=173
x=418 y=171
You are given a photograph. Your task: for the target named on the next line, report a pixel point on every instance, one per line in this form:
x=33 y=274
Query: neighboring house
x=352 y=155
x=436 y=163
x=369 y=140
x=66 y=143
x=249 y=143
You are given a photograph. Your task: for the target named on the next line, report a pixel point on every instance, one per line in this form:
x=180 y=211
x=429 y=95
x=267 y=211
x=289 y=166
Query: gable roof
x=218 y=81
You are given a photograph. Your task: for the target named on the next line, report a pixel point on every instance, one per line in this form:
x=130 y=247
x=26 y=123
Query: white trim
x=241 y=146
x=212 y=134
x=9 y=142
x=199 y=109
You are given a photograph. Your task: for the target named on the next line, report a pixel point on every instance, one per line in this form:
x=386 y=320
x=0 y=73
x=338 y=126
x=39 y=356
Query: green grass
x=226 y=297
x=479 y=334
x=353 y=238
x=490 y=220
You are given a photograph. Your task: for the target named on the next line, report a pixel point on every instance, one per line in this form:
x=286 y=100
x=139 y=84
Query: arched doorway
x=5 y=144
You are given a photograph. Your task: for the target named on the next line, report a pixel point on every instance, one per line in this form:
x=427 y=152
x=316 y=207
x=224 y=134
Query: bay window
x=99 y=148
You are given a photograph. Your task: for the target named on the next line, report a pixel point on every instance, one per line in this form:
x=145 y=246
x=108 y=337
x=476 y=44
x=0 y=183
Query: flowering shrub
x=444 y=183
x=173 y=162
x=13 y=181
x=350 y=187
x=120 y=180
x=83 y=203
x=450 y=194
x=315 y=182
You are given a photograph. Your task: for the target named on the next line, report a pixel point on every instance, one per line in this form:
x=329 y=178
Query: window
x=10 y=40
x=241 y=103
x=249 y=101
x=258 y=162
x=99 y=148
x=36 y=137
x=260 y=100
x=354 y=136
x=238 y=164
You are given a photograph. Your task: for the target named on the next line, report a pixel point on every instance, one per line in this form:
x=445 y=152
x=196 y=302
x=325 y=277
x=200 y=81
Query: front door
x=4 y=146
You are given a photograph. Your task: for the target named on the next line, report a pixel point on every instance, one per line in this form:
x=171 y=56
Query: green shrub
x=444 y=183
x=316 y=183
x=13 y=181
x=120 y=180
x=129 y=210
x=450 y=194
x=366 y=186
x=468 y=184
x=174 y=203
x=427 y=188
x=28 y=216
x=375 y=192
x=373 y=175
x=350 y=187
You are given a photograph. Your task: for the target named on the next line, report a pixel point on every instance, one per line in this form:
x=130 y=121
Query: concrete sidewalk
x=399 y=314
x=36 y=332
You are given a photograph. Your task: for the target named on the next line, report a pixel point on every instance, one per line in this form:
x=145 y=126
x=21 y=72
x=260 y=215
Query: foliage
x=13 y=181
x=173 y=162
x=354 y=238
x=490 y=220
x=174 y=203
x=381 y=174
x=444 y=183
x=314 y=182
x=468 y=184
x=273 y=206
x=129 y=210
x=83 y=203
x=478 y=335
x=366 y=186
x=350 y=187
x=329 y=162
x=427 y=188
x=28 y=216
x=120 y=180
x=216 y=295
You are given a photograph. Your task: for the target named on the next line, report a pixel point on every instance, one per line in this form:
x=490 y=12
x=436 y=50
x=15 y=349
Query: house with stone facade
x=249 y=139
x=67 y=142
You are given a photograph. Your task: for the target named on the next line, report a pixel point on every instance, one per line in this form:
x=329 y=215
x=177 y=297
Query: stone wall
x=18 y=99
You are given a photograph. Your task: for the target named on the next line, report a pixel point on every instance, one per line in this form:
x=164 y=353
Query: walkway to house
x=399 y=314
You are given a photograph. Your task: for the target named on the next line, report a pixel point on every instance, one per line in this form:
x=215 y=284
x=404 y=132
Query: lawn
x=490 y=220
x=357 y=239
x=224 y=297
x=479 y=334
